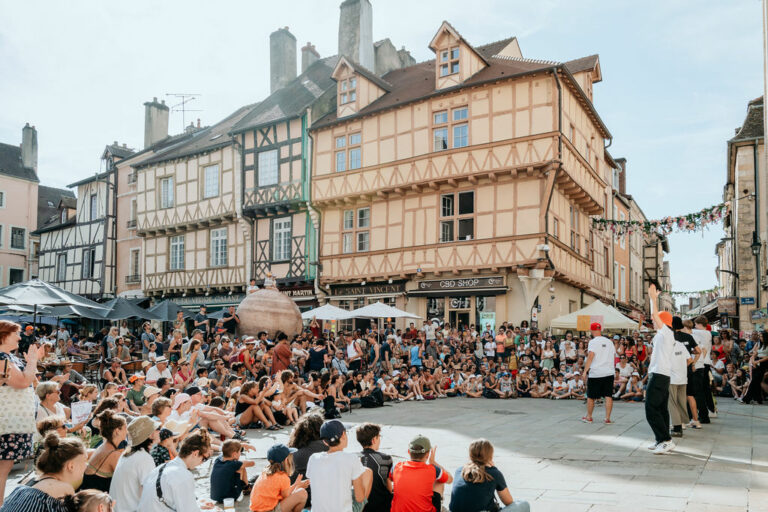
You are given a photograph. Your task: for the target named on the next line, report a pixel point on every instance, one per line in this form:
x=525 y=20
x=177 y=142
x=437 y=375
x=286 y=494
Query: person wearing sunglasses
x=172 y=485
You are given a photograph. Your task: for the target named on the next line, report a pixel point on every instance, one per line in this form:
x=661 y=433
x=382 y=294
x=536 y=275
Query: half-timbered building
x=194 y=242
x=462 y=188
x=77 y=247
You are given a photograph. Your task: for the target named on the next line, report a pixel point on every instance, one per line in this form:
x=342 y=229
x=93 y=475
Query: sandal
x=273 y=427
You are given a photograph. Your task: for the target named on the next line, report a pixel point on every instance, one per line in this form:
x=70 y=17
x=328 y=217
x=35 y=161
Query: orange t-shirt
x=267 y=491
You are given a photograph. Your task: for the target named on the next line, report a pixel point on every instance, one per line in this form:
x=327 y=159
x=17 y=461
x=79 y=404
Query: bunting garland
x=690 y=223
x=699 y=292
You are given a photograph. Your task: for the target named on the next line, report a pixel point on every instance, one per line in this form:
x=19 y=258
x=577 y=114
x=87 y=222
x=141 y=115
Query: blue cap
x=279 y=452
x=332 y=430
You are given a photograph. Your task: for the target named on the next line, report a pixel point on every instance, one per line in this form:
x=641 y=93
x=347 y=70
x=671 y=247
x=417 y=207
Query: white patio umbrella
x=381 y=310
x=326 y=312
x=37 y=293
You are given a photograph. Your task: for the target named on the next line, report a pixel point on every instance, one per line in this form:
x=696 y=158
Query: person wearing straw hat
x=134 y=466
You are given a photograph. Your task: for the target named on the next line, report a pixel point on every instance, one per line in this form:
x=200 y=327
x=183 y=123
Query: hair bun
x=51 y=440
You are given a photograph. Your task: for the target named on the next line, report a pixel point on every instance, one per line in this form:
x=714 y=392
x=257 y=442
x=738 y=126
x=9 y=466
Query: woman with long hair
x=476 y=484
x=251 y=407
x=60 y=468
x=17 y=421
x=101 y=464
x=305 y=437
x=759 y=364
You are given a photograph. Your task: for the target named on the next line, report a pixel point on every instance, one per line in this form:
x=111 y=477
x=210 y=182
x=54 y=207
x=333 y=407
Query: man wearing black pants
x=703 y=338
x=657 y=391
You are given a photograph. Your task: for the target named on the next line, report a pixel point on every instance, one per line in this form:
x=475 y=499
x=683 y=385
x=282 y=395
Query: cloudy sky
x=676 y=77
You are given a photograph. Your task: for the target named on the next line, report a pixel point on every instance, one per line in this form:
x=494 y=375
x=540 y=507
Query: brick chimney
x=308 y=56
x=356 y=32
x=29 y=147
x=282 y=58
x=155 y=122
x=622 y=175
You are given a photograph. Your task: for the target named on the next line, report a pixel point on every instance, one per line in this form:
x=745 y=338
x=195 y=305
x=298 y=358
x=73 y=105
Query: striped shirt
x=29 y=499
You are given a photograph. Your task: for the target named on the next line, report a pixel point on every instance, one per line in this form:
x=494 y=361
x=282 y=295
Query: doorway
x=459 y=318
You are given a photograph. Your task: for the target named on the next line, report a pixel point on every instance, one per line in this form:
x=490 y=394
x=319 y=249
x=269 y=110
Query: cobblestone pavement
x=556 y=462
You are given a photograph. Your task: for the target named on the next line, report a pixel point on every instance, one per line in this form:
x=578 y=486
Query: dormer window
x=63 y=216
x=449 y=61
x=348 y=90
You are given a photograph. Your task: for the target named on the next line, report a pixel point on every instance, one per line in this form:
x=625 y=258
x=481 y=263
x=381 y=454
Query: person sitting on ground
x=634 y=390
x=60 y=465
x=135 y=395
x=134 y=466
x=273 y=491
x=229 y=475
x=305 y=437
x=478 y=481
x=418 y=484
x=103 y=461
x=331 y=474
x=560 y=388
x=380 y=464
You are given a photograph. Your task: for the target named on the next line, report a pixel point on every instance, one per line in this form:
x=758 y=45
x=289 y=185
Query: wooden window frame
x=135 y=272
x=93 y=205
x=449 y=126
x=622 y=239
x=448 y=61
x=180 y=261
x=2 y=198
x=348 y=90
x=274 y=247
x=213 y=263
x=259 y=175
x=355 y=231
x=575 y=235
x=216 y=166
x=607 y=261
x=161 y=196
x=87 y=273
x=24 y=239
x=61 y=269
x=456 y=217
x=344 y=147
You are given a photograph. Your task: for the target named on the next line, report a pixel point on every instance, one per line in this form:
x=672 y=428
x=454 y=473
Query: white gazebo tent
x=612 y=318
x=326 y=312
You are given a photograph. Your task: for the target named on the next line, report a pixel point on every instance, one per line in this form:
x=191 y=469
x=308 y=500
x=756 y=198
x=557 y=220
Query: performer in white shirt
x=598 y=372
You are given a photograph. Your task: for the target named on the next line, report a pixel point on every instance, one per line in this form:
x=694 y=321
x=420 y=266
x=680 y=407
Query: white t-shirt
x=178 y=486
x=679 y=367
x=129 y=475
x=605 y=354
x=625 y=372
x=704 y=341
x=663 y=350
x=490 y=348
x=153 y=374
x=330 y=478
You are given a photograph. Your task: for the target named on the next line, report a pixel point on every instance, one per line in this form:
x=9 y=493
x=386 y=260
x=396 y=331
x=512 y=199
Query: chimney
x=29 y=147
x=308 y=56
x=356 y=32
x=622 y=175
x=282 y=58
x=155 y=122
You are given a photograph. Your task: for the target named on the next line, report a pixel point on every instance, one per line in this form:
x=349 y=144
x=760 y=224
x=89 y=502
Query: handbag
x=18 y=410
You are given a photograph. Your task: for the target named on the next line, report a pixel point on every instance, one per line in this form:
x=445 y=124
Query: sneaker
x=684 y=426
x=652 y=446
x=419 y=397
x=713 y=414
x=695 y=425
x=663 y=448
x=584 y=419
x=609 y=421
x=671 y=445
x=411 y=399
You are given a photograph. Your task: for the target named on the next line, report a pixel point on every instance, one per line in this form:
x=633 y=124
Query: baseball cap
x=29 y=328
x=595 y=326
x=332 y=430
x=419 y=444
x=192 y=390
x=165 y=434
x=279 y=452
x=666 y=318
x=136 y=377
x=616 y=337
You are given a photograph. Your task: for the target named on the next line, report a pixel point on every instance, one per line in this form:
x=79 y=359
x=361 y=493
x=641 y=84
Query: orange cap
x=666 y=317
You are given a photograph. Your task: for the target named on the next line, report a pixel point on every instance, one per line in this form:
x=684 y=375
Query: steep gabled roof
x=753 y=122
x=48 y=200
x=201 y=141
x=364 y=72
x=119 y=151
x=290 y=101
x=10 y=163
x=455 y=33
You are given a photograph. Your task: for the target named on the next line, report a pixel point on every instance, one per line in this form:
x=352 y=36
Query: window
x=623 y=284
x=590 y=249
x=89 y=263
x=348 y=91
x=556 y=228
x=134 y=265
x=18 y=238
x=132 y=214
x=64 y=215
x=15 y=275
x=458 y=128
x=355 y=226
x=457 y=223
x=607 y=262
x=616 y=279
x=575 y=239
x=350 y=147
x=166 y=193
x=449 y=61
x=622 y=240
x=268 y=168
x=94 y=207
x=211 y=180
x=61 y=267
x=177 y=252
x=2 y=199
x=219 y=247
x=281 y=236
x=1 y=235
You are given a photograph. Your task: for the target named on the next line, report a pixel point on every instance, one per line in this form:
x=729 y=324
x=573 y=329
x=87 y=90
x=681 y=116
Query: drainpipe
x=559 y=157
x=758 y=277
x=317 y=221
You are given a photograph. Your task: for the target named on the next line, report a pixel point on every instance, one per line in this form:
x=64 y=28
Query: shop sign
x=473 y=283
x=726 y=305
x=369 y=289
x=299 y=292
x=211 y=300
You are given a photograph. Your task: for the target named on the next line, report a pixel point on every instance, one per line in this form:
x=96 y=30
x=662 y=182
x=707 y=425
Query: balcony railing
x=136 y=278
x=131 y=224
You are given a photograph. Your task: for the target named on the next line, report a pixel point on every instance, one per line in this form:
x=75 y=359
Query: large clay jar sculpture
x=268 y=310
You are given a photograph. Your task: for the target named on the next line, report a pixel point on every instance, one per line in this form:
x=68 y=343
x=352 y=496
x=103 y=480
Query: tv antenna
x=181 y=106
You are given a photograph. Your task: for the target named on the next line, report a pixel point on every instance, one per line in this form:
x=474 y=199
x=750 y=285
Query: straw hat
x=141 y=428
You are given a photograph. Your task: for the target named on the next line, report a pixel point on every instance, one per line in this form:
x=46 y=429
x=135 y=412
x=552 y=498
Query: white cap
x=577 y=372
x=635 y=374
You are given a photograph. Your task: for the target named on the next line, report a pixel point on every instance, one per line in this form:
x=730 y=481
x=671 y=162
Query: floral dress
x=17 y=444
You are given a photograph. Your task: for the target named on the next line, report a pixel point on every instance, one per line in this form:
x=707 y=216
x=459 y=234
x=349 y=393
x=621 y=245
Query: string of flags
x=689 y=223
x=699 y=292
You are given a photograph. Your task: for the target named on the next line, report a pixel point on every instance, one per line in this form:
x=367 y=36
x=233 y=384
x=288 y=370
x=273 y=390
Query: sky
x=677 y=77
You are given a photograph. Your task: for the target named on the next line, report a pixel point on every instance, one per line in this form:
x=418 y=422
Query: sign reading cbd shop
x=469 y=283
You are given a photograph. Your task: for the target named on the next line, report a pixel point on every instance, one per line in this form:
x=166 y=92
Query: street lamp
x=756 y=252
x=755 y=244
